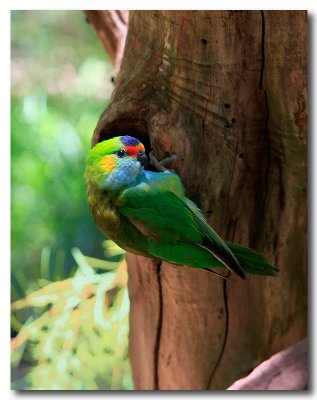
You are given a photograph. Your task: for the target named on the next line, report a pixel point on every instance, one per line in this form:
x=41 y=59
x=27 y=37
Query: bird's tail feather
x=251 y=261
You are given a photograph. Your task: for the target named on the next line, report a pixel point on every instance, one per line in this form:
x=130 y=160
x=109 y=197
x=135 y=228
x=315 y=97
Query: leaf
x=112 y=249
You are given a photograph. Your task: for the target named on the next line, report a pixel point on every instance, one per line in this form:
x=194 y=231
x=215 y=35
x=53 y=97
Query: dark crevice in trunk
x=158 y=329
x=266 y=111
x=225 y=300
x=267 y=146
x=232 y=173
x=262 y=50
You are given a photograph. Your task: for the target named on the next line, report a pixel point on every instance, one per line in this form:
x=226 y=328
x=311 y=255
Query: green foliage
x=76 y=337
x=69 y=322
x=60 y=86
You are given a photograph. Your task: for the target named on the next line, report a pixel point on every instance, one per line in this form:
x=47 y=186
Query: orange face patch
x=133 y=150
x=108 y=163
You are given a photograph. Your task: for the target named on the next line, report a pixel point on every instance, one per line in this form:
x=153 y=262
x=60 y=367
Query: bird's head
x=115 y=163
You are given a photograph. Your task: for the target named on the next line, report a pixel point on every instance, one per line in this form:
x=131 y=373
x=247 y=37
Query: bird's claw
x=159 y=165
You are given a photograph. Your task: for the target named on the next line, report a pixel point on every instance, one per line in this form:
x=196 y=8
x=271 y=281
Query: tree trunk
x=226 y=92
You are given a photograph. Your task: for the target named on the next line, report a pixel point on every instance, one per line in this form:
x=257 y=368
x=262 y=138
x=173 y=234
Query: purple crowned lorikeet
x=147 y=212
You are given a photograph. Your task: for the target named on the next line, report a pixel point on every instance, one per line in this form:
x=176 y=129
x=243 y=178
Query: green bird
x=148 y=213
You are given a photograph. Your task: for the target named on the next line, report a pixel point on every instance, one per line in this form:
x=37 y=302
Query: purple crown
x=129 y=140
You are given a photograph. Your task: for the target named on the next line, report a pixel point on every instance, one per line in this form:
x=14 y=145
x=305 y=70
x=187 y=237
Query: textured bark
x=226 y=92
x=286 y=370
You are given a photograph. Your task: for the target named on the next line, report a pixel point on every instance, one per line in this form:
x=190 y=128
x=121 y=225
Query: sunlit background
x=70 y=303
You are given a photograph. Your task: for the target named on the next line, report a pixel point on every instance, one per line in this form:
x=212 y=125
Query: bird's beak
x=143 y=159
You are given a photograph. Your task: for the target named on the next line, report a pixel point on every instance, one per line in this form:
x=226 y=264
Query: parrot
x=147 y=213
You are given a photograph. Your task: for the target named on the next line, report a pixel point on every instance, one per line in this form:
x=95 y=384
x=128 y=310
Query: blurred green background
x=60 y=84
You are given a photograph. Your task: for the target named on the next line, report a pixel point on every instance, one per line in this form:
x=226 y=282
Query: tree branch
x=286 y=370
x=111 y=27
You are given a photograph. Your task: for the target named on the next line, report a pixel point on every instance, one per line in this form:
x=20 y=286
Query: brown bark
x=225 y=91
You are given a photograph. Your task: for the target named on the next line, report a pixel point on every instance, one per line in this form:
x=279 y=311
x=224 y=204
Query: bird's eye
x=120 y=153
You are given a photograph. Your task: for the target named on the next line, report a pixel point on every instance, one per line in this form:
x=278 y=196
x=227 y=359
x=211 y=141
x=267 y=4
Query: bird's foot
x=159 y=165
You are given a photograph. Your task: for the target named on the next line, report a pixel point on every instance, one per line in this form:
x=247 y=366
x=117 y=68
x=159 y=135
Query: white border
x=5 y=164
x=163 y=5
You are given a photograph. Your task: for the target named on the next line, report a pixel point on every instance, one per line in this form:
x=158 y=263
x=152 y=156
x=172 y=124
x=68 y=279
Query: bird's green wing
x=164 y=216
x=158 y=214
